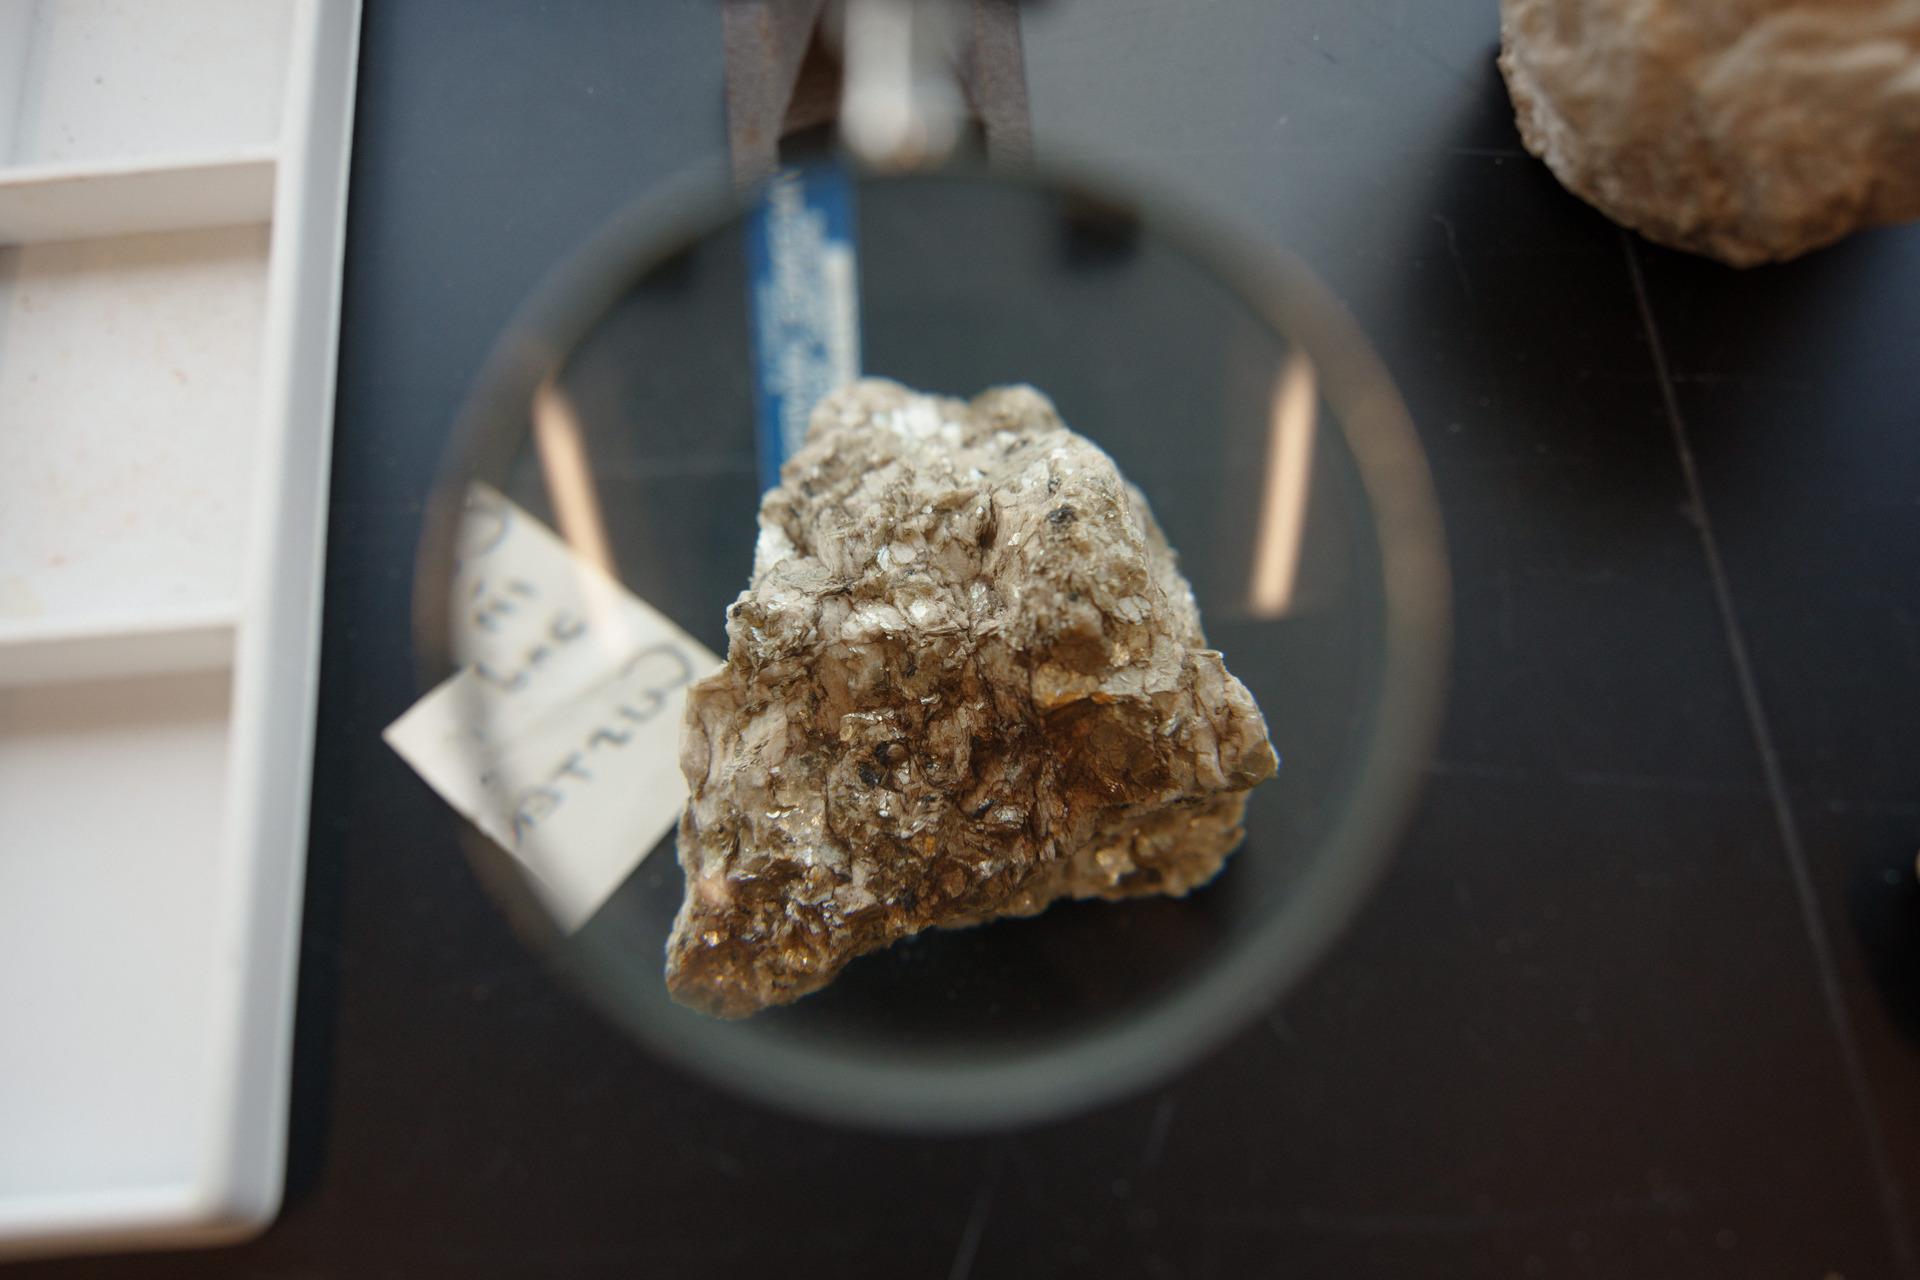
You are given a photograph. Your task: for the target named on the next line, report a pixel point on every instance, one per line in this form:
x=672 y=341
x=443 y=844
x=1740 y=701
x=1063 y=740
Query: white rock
x=1747 y=130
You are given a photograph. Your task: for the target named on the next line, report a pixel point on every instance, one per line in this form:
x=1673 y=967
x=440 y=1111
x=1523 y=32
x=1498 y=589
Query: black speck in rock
x=1062 y=515
x=869 y=775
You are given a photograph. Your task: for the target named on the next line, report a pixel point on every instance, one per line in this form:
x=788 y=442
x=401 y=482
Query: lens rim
x=1172 y=1031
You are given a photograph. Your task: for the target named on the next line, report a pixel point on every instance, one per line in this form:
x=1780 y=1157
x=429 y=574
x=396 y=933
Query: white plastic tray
x=172 y=184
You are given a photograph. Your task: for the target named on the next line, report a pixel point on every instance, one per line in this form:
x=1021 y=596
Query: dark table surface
x=1642 y=992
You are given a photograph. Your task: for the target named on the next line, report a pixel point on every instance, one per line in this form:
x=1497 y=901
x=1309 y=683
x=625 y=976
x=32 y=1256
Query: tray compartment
x=114 y=795
x=129 y=375
x=93 y=80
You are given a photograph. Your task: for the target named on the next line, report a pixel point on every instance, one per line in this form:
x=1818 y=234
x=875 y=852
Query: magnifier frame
x=1168 y=1032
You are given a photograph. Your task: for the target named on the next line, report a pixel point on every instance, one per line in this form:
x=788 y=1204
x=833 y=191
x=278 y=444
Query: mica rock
x=966 y=680
x=1749 y=130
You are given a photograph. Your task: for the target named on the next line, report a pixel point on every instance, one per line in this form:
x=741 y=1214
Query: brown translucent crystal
x=967 y=679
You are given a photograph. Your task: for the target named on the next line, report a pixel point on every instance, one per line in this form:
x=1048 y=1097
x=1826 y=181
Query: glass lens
x=620 y=412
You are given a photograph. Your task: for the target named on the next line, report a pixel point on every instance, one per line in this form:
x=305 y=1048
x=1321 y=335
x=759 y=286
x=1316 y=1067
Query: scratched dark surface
x=1640 y=997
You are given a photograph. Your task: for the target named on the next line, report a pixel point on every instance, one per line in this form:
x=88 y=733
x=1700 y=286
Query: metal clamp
x=902 y=79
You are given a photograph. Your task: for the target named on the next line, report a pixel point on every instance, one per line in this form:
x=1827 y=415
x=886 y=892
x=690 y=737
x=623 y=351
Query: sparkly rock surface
x=1746 y=130
x=967 y=679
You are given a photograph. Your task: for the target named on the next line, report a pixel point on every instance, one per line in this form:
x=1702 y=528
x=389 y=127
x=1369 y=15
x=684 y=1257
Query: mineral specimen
x=1749 y=131
x=967 y=679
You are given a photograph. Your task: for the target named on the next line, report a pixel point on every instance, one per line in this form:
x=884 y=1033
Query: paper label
x=560 y=735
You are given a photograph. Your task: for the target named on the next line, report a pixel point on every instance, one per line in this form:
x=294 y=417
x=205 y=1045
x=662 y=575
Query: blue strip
x=803 y=302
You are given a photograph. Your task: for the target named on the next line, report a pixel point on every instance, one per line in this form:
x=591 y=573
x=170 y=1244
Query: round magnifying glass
x=617 y=419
